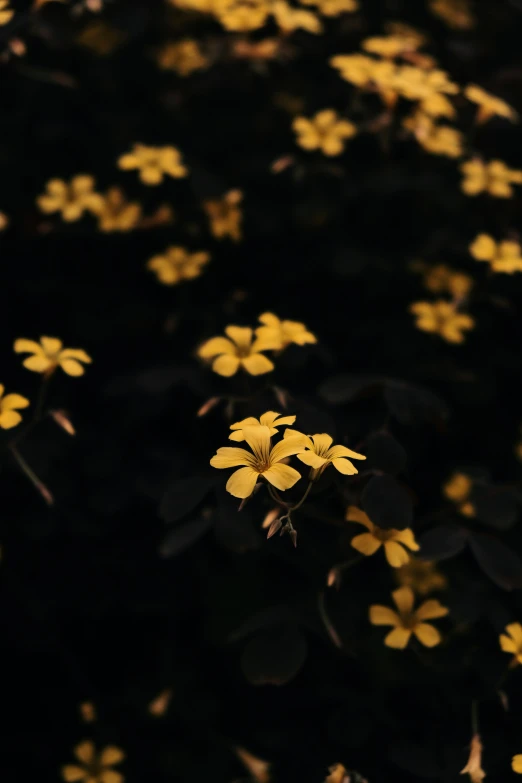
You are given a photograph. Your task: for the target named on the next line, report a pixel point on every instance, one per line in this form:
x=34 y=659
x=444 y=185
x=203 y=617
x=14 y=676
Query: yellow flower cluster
x=494 y=178
x=503 y=257
x=176 y=264
x=458 y=490
x=184 y=57
x=325 y=132
x=406 y=621
x=442 y=318
x=93 y=766
x=395 y=542
x=153 y=163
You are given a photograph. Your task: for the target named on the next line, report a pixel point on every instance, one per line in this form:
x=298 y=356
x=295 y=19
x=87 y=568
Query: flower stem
x=31 y=475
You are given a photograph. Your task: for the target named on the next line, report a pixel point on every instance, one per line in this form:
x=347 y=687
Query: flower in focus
x=333 y=7
x=442 y=318
x=407 y=621
x=118 y=214
x=94 y=767
x=283 y=333
x=474 y=766
x=440 y=279
x=264 y=460
x=225 y=215
x=489 y=105
x=72 y=199
x=494 y=178
x=456 y=13
x=435 y=139
x=317 y=452
x=6 y=13
x=458 y=490
x=9 y=405
x=502 y=256
x=270 y=419
x=153 y=163
x=325 y=132
x=49 y=354
x=394 y=541
x=516 y=763
x=238 y=349
x=289 y=19
x=176 y=264
x=511 y=642
x=184 y=57
x=421 y=575
x=242 y=15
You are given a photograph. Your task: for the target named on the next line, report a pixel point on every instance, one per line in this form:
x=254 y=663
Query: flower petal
x=110 y=776
x=13 y=401
x=27 y=346
x=427 y=634
x=226 y=365
x=72 y=367
x=516 y=763
x=51 y=345
x=111 y=755
x=407 y=538
x=230 y=457
x=269 y=319
x=240 y=335
x=76 y=353
x=344 y=466
x=383 y=615
x=282 y=476
x=366 y=544
x=342 y=451
x=398 y=638
x=258 y=438
x=431 y=609
x=267 y=419
x=355 y=514
x=9 y=419
x=72 y=773
x=404 y=599
x=311 y=459
x=241 y=483
x=515 y=631
x=396 y=555
x=322 y=442
x=85 y=752
x=506 y=643
x=285 y=448
x=38 y=363
x=257 y=364
x=216 y=346
x=305 y=440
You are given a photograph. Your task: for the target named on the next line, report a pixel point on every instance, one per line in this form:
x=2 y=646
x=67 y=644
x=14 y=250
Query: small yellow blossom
x=502 y=256
x=442 y=318
x=407 y=621
x=456 y=13
x=72 y=199
x=355 y=68
x=242 y=15
x=458 y=490
x=289 y=19
x=283 y=333
x=474 y=766
x=511 y=642
x=325 y=132
x=9 y=405
x=118 y=214
x=489 y=105
x=421 y=575
x=6 y=13
x=440 y=279
x=264 y=460
x=516 y=763
x=333 y=7
x=394 y=541
x=153 y=163
x=49 y=354
x=270 y=419
x=416 y=84
x=338 y=774
x=176 y=264
x=184 y=57
x=494 y=178
x=435 y=139
x=94 y=767
x=225 y=215
x=317 y=452
x=393 y=45
x=237 y=350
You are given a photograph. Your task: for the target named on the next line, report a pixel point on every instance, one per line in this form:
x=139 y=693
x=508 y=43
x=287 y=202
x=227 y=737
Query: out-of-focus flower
x=283 y=333
x=456 y=13
x=396 y=542
x=442 y=318
x=511 y=642
x=6 y=13
x=270 y=419
x=237 y=350
x=417 y=84
x=474 y=766
x=502 y=256
x=440 y=279
x=435 y=139
x=4 y=221
x=225 y=215
x=71 y=199
x=184 y=57
x=421 y=575
x=100 y=37
x=355 y=68
x=317 y=452
x=289 y=19
x=324 y=132
x=94 y=767
x=49 y=354
x=153 y=163
x=394 y=45
x=160 y=704
x=407 y=621
x=118 y=214
x=458 y=489
x=258 y=769
x=516 y=763
x=338 y=774
x=494 y=178
x=333 y=7
x=87 y=711
x=489 y=105
x=242 y=15
x=9 y=406
x=176 y=264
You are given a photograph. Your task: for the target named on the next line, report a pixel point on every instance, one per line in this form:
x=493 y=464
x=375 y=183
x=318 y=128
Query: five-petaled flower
x=283 y=333
x=324 y=132
x=270 y=419
x=118 y=214
x=94 y=767
x=396 y=542
x=421 y=575
x=511 y=642
x=264 y=460
x=494 y=178
x=153 y=163
x=9 y=416
x=442 y=318
x=225 y=215
x=407 y=621
x=71 y=199
x=489 y=105
x=176 y=264
x=317 y=452
x=503 y=257
x=238 y=349
x=49 y=354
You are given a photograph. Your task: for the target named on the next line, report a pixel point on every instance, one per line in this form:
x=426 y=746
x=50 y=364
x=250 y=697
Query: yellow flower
x=393 y=45
x=184 y=57
x=6 y=13
x=436 y=139
x=406 y=621
x=494 y=178
x=242 y=15
x=356 y=68
x=458 y=490
x=94 y=767
x=474 y=766
x=118 y=214
x=177 y=264
x=502 y=256
x=4 y=221
x=325 y=132
x=289 y=19
x=489 y=105
x=225 y=215
x=238 y=351
x=394 y=541
x=421 y=575
x=263 y=460
x=511 y=642
x=442 y=318
x=333 y=7
x=440 y=278
x=516 y=763
x=283 y=333
x=270 y=419
x=338 y=774
x=72 y=199
x=9 y=416
x=50 y=354
x=153 y=163
x=317 y=452
x=456 y=13
x=416 y=84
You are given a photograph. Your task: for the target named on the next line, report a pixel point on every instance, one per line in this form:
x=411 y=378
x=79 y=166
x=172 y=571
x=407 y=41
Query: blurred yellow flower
x=242 y=15
x=225 y=215
x=494 y=178
x=283 y=333
x=407 y=621
x=489 y=105
x=289 y=19
x=511 y=642
x=184 y=57
x=317 y=452
x=516 y=763
x=9 y=405
x=417 y=84
x=100 y=37
x=355 y=68
x=176 y=264
x=237 y=350
x=4 y=221
x=394 y=541
x=118 y=214
x=456 y=13
x=442 y=318
x=333 y=7
x=393 y=45
x=153 y=163
x=421 y=575
x=72 y=199
x=49 y=354
x=440 y=279
x=458 y=489
x=338 y=774
x=94 y=767
x=502 y=256
x=270 y=419
x=263 y=460
x=6 y=13
x=324 y=132
x=435 y=139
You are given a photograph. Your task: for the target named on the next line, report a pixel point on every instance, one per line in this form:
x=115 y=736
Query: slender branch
x=31 y=475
